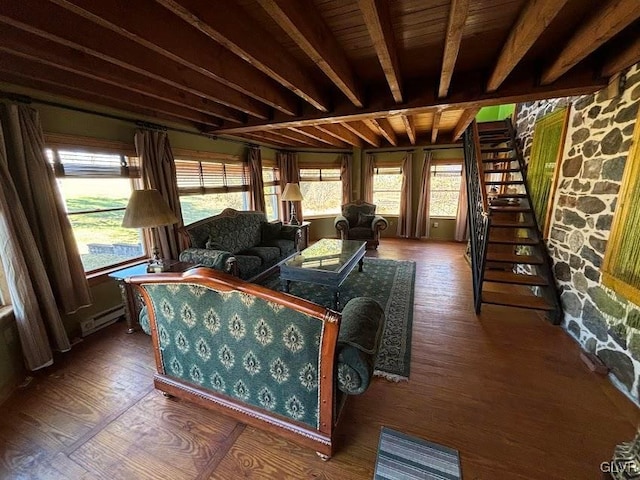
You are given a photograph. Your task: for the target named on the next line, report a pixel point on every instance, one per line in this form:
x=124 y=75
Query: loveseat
x=241 y=243
x=267 y=358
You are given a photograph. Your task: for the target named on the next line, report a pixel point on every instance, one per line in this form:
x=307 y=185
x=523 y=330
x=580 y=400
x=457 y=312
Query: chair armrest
x=216 y=259
x=379 y=223
x=341 y=223
x=358 y=342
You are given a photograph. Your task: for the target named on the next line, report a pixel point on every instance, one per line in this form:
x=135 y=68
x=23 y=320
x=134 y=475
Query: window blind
x=319 y=174
x=199 y=178
x=77 y=163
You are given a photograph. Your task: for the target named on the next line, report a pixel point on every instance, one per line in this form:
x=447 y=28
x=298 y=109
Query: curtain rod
x=303 y=150
x=400 y=150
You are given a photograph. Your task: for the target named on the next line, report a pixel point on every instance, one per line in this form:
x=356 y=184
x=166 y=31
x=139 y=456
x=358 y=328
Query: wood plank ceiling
x=316 y=73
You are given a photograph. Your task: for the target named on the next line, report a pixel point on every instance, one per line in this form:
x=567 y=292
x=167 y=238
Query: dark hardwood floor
x=507 y=389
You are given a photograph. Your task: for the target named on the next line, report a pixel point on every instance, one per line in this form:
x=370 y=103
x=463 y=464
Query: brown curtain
x=462 y=223
x=34 y=305
x=367 y=179
x=345 y=176
x=423 y=222
x=159 y=172
x=254 y=159
x=289 y=173
x=405 y=220
x=44 y=207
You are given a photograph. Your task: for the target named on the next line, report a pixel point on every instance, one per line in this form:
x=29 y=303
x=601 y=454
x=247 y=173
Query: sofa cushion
x=248 y=265
x=365 y=220
x=287 y=247
x=233 y=233
x=268 y=255
x=270 y=231
x=213 y=245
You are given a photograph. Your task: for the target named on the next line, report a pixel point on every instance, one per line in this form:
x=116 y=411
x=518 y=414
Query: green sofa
x=241 y=243
x=267 y=358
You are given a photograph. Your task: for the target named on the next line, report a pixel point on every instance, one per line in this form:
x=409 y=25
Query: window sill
x=318 y=217
x=441 y=218
x=101 y=276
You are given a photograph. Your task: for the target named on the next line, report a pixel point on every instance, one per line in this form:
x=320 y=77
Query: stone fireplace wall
x=597 y=145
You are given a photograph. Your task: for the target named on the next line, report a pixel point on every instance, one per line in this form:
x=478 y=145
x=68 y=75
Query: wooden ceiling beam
x=32 y=47
x=101 y=43
x=236 y=31
x=465 y=119
x=341 y=133
x=458 y=12
x=410 y=126
x=303 y=23
x=298 y=137
x=271 y=139
x=618 y=61
x=437 y=115
x=58 y=77
x=364 y=132
x=534 y=19
x=316 y=134
x=378 y=22
x=183 y=45
x=384 y=127
x=127 y=109
x=601 y=26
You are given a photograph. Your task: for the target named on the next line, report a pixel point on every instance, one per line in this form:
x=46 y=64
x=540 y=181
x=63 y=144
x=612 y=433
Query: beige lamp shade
x=147 y=208
x=292 y=193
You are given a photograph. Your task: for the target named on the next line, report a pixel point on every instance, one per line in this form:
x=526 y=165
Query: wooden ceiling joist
x=320 y=135
x=95 y=41
x=270 y=139
x=435 y=125
x=458 y=12
x=190 y=48
x=40 y=50
x=410 y=127
x=298 y=137
x=378 y=21
x=533 y=20
x=384 y=127
x=364 y=132
x=249 y=40
x=341 y=133
x=600 y=27
x=467 y=117
x=304 y=24
x=629 y=55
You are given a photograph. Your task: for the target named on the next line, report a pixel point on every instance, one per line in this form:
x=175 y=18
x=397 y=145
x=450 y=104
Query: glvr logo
x=620 y=466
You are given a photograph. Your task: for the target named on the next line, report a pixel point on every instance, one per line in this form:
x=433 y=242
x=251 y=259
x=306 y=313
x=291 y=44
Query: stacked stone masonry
x=597 y=145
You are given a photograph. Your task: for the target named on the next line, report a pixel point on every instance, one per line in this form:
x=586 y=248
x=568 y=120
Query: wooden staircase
x=510 y=262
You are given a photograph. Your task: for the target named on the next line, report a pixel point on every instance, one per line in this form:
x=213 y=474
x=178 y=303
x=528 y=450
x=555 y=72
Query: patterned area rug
x=402 y=457
x=391 y=284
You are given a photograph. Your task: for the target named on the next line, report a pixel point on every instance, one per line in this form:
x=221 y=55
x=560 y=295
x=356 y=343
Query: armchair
x=360 y=222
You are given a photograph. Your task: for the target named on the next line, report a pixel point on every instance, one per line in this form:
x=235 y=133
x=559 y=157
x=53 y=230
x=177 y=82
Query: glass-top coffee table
x=327 y=262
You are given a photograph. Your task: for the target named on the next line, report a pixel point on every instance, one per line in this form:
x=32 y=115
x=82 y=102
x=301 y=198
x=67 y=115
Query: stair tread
x=512 y=224
x=499 y=160
x=500 y=276
x=504 y=182
x=513 y=258
x=494 y=126
x=501 y=170
x=500 y=208
x=511 y=195
x=511 y=300
x=514 y=241
x=495 y=149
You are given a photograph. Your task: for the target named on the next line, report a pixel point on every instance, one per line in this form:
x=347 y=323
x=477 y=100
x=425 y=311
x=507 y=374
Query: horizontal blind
x=77 y=163
x=388 y=170
x=319 y=174
x=198 y=178
x=446 y=170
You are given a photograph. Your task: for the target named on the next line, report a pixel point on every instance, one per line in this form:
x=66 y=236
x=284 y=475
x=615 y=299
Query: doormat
x=403 y=457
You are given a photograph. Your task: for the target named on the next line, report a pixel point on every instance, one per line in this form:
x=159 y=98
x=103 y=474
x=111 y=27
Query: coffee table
x=327 y=262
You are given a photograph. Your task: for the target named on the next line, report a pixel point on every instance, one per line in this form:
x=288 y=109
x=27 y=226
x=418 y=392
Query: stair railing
x=478 y=216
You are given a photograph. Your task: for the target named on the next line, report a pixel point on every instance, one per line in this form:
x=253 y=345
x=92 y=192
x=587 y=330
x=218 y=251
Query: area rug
x=403 y=457
x=391 y=284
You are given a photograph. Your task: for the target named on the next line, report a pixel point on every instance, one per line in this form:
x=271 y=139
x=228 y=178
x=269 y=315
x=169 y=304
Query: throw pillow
x=270 y=231
x=365 y=220
x=212 y=245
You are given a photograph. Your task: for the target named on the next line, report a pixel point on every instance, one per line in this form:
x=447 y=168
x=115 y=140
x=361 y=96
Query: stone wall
x=595 y=153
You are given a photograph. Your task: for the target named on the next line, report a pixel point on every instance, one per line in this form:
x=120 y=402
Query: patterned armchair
x=360 y=222
x=267 y=358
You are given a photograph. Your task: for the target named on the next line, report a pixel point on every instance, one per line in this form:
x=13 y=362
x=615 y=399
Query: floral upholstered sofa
x=241 y=243
x=267 y=358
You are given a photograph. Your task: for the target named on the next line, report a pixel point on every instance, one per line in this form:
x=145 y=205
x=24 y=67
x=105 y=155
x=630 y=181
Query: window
x=322 y=191
x=206 y=187
x=444 y=190
x=271 y=180
x=387 y=190
x=96 y=188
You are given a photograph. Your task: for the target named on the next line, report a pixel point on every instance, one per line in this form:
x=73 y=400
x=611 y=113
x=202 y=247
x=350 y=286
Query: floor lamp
x=292 y=194
x=147 y=209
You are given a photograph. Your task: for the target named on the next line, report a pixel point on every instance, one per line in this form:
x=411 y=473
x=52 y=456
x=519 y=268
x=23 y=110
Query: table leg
x=285 y=285
x=129 y=305
x=360 y=263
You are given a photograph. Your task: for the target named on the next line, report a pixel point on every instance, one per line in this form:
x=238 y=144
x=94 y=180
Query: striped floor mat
x=402 y=457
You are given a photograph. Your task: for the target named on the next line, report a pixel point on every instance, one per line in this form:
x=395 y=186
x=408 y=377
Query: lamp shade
x=147 y=208
x=292 y=192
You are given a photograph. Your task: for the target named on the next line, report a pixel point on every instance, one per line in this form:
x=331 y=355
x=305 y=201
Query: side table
x=304 y=234
x=132 y=301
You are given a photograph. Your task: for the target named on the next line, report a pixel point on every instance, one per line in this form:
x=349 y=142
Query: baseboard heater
x=101 y=320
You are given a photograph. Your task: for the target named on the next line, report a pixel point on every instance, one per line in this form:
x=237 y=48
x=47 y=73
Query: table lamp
x=147 y=209
x=292 y=194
